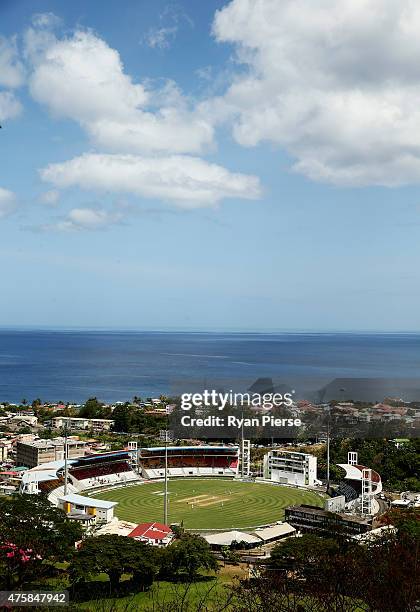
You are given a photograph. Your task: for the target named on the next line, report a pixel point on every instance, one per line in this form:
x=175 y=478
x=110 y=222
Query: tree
x=123 y=418
x=230 y=556
x=94 y=409
x=188 y=555
x=338 y=574
x=303 y=552
x=33 y=534
x=24 y=430
x=115 y=555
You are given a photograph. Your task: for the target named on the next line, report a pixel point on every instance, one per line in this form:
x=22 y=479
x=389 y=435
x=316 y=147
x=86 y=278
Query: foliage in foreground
x=33 y=536
x=116 y=556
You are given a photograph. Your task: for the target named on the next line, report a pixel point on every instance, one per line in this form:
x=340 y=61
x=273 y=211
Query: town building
x=81 y=423
x=313 y=519
x=31 y=454
x=156 y=534
x=86 y=509
x=5 y=447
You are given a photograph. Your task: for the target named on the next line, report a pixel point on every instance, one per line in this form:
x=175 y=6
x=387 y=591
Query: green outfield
x=208 y=503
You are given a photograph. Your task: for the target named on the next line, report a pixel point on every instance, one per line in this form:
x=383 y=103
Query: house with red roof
x=156 y=534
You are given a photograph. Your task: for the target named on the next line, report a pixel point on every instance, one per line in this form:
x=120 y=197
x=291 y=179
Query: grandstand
x=349 y=492
x=91 y=471
x=352 y=487
x=189 y=461
x=43 y=478
x=100 y=470
x=115 y=468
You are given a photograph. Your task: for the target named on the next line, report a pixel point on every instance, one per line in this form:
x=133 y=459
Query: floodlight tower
x=165 y=509
x=367 y=493
x=166 y=435
x=245 y=458
x=352 y=458
x=134 y=457
x=66 y=467
x=328 y=444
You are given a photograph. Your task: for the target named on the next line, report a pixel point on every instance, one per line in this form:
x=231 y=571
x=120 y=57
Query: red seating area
x=219 y=462
x=375 y=475
x=205 y=461
x=97 y=471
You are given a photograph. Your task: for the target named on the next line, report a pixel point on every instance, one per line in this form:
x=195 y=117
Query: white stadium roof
x=227 y=537
x=276 y=531
x=81 y=500
x=44 y=471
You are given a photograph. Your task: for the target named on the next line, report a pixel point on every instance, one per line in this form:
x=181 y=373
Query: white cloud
x=335 y=83
x=188 y=182
x=11 y=68
x=8 y=202
x=170 y=21
x=50 y=198
x=85 y=219
x=82 y=78
x=11 y=76
x=46 y=20
x=10 y=107
x=161 y=38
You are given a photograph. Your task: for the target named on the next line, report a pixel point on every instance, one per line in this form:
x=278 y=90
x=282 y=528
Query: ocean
x=116 y=365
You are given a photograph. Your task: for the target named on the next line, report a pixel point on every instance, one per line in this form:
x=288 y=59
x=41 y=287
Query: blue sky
x=210 y=165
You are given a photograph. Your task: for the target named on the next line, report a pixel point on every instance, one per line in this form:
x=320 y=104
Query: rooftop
x=81 y=500
x=227 y=537
x=67 y=418
x=152 y=531
x=52 y=443
x=116 y=527
x=276 y=531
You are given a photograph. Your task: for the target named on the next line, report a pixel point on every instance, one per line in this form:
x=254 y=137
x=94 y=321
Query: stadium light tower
x=367 y=492
x=328 y=444
x=165 y=509
x=165 y=434
x=66 y=467
x=352 y=458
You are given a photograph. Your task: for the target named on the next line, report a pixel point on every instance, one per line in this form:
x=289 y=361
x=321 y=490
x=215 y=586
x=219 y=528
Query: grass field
x=208 y=503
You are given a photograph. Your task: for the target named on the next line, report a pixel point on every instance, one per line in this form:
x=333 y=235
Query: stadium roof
x=51 y=465
x=227 y=537
x=354 y=472
x=276 y=531
x=45 y=471
x=151 y=531
x=106 y=455
x=81 y=500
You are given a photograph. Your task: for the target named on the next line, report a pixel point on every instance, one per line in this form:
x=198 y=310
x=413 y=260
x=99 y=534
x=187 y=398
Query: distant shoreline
x=168 y=330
